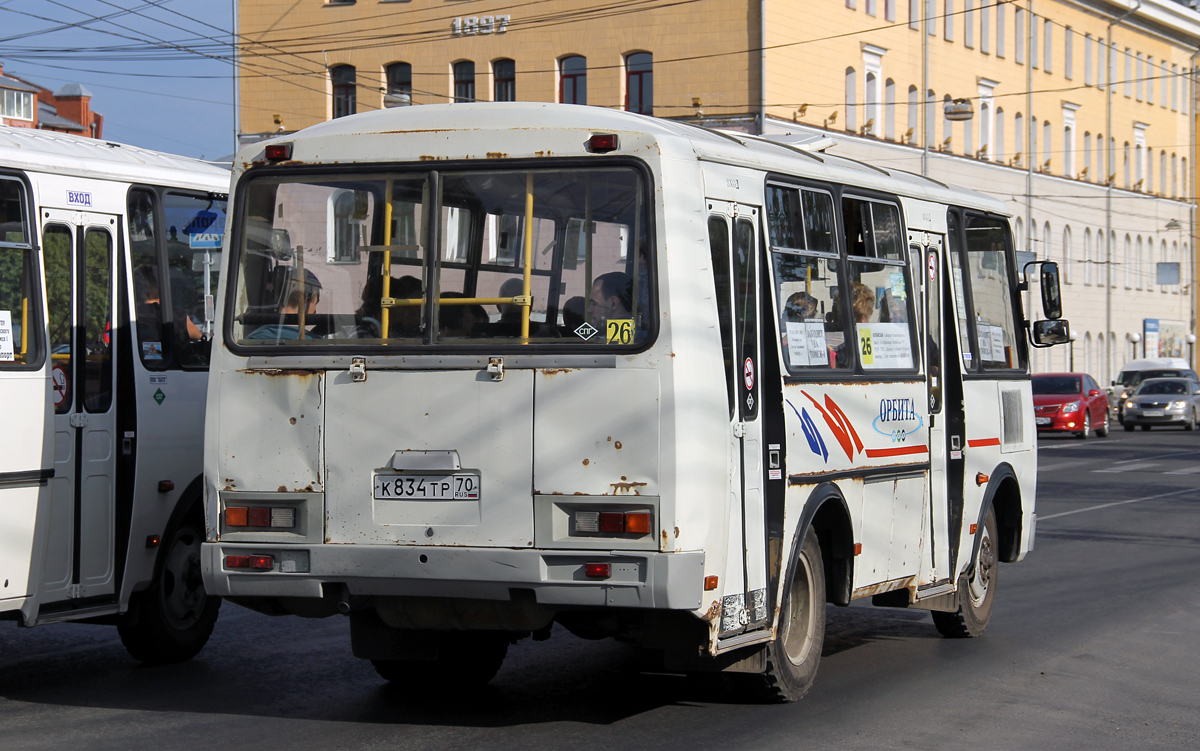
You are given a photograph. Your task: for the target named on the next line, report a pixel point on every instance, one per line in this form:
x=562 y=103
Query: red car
x=1069 y=402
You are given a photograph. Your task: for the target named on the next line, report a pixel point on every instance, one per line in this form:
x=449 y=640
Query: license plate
x=1154 y=413
x=433 y=487
x=1042 y=420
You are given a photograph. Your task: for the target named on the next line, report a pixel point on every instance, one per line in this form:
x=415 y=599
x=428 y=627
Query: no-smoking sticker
x=59 y=374
x=932 y=266
x=748 y=373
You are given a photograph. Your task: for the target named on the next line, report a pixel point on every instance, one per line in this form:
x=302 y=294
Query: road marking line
x=1064 y=465
x=1129 y=467
x=1189 y=471
x=1117 y=503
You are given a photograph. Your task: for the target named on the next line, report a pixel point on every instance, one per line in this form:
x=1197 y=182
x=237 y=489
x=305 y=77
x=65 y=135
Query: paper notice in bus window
x=7 y=352
x=806 y=343
x=985 y=340
x=884 y=346
x=998 y=352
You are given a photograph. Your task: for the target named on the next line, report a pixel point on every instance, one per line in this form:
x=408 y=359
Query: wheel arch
x=1004 y=494
x=827 y=513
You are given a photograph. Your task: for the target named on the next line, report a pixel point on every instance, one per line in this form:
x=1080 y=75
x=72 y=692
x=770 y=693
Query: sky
x=159 y=70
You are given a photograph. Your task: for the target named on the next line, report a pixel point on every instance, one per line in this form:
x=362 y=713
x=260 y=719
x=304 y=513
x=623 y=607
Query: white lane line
x=1129 y=467
x=1117 y=503
x=1064 y=465
x=1188 y=471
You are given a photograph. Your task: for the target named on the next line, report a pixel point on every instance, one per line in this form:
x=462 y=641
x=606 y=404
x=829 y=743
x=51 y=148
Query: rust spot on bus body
x=281 y=372
x=887 y=586
x=556 y=371
x=625 y=487
x=497 y=155
x=714 y=612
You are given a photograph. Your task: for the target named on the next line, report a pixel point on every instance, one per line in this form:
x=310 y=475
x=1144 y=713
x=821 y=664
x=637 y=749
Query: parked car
x=1136 y=371
x=1069 y=402
x=1163 y=401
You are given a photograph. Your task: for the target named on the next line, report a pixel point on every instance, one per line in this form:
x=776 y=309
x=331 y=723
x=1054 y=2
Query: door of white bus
x=733 y=237
x=80 y=259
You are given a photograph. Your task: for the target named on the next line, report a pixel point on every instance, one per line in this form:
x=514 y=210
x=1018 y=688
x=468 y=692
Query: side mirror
x=1049 y=333
x=1093 y=392
x=1051 y=294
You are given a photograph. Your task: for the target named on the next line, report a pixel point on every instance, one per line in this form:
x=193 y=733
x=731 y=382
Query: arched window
x=639 y=83
x=504 y=80
x=1019 y=139
x=947 y=126
x=1087 y=353
x=1067 y=270
x=889 y=110
x=914 y=114
x=851 y=99
x=345 y=100
x=997 y=147
x=1183 y=180
x=1162 y=172
x=1113 y=251
x=1087 y=256
x=572 y=80
x=931 y=118
x=1149 y=184
x=1125 y=165
x=1033 y=143
x=1139 y=177
x=1087 y=156
x=1068 y=151
x=1047 y=244
x=1162 y=255
x=1101 y=175
x=1174 y=175
x=1128 y=262
x=1020 y=234
x=399 y=85
x=1141 y=261
x=985 y=131
x=1046 y=149
x=871 y=105
x=464 y=81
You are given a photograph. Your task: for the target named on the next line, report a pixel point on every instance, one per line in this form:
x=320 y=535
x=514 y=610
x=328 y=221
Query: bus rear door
x=80 y=252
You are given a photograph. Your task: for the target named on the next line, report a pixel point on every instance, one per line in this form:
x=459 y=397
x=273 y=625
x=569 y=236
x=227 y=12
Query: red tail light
x=597 y=570
x=612 y=521
x=602 y=143
x=257 y=562
x=277 y=517
x=277 y=152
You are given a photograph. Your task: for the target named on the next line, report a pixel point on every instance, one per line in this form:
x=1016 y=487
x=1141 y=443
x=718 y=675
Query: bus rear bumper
x=669 y=581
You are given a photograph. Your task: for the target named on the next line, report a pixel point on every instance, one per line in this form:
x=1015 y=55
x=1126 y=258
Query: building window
x=572 y=80
x=1088 y=79
x=1000 y=49
x=1102 y=63
x=1018 y=138
x=948 y=33
x=399 y=85
x=947 y=126
x=930 y=117
x=1087 y=156
x=1068 y=151
x=1034 y=25
x=969 y=23
x=1019 y=34
x=1069 y=53
x=1151 y=72
x=851 y=99
x=1140 y=261
x=464 y=81
x=985 y=27
x=1149 y=186
x=1125 y=164
x=1162 y=100
x=931 y=14
x=1033 y=144
x=1087 y=256
x=1162 y=172
x=998 y=140
x=345 y=100
x=1066 y=254
x=889 y=10
x=914 y=14
x=639 y=83
x=1048 y=33
x=504 y=77
x=1174 y=87
x=914 y=113
x=1139 y=95
x=985 y=135
x=1128 y=74
x=18 y=105
x=1046 y=148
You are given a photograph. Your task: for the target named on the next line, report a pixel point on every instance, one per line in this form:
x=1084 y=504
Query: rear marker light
x=152 y=541
x=597 y=570
x=235 y=517
x=259 y=517
x=974 y=527
x=277 y=152
x=258 y=562
x=858 y=548
x=612 y=521
x=237 y=561
x=710 y=583
x=602 y=143
x=262 y=562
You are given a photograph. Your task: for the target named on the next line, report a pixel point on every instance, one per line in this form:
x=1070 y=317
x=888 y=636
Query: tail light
x=273 y=517
x=254 y=562
x=613 y=522
x=597 y=570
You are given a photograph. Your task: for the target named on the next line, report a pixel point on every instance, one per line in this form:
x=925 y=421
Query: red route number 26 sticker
x=748 y=373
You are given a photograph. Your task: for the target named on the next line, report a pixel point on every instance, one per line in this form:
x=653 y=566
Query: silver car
x=1163 y=401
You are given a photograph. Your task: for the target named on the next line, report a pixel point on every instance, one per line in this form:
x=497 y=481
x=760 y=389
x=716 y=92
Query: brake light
x=602 y=143
x=612 y=521
x=278 y=152
x=256 y=562
x=597 y=570
x=275 y=517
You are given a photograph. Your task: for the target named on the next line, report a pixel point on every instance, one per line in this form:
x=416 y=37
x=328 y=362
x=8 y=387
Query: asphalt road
x=1093 y=645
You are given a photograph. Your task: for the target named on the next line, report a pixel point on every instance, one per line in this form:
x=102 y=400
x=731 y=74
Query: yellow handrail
x=385 y=314
x=402 y=302
x=24 y=328
x=527 y=302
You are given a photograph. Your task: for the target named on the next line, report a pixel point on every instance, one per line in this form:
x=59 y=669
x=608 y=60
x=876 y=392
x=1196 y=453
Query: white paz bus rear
x=482 y=369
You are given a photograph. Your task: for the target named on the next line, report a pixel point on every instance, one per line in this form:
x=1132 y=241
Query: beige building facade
x=1089 y=143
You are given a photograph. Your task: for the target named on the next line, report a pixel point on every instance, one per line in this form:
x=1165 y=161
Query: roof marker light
x=278 y=152
x=602 y=143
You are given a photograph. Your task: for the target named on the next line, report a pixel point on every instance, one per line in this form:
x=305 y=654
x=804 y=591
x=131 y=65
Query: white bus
x=109 y=258
x=485 y=368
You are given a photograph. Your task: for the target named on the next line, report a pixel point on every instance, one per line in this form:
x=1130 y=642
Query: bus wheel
x=976 y=590
x=795 y=653
x=465 y=659
x=172 y=620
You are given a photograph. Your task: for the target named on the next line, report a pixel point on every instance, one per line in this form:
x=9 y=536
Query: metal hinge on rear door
x=78 y=420
x=739 y=429
x=358 y=369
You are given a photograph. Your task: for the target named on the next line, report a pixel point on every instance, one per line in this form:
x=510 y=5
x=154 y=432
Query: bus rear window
x=551 y=256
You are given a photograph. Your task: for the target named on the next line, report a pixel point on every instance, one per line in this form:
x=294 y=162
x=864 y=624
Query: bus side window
x=884 y=322
x=194 y=227
x=966 y=346
x=147 y=279
x=718 y=244
x=20 y=318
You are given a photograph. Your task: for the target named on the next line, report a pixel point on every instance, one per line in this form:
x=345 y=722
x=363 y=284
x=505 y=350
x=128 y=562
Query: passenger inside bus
x=149 y=308
x=611 y=298
x=298 y=289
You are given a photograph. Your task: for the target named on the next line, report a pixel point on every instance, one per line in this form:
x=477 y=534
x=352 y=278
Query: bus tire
x=172 y=620
x=795 y=653
x=466 y=659
x=976 y=589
